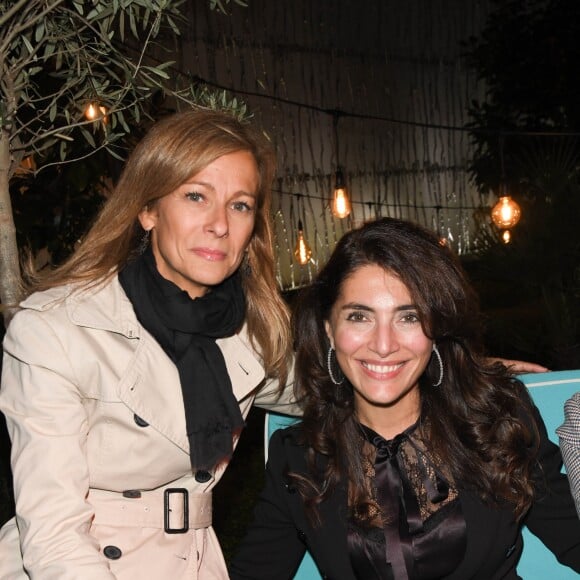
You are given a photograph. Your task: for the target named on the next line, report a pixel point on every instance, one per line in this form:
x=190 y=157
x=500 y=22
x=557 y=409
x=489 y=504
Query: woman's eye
x=356 y=317
x=411 y=317
x=194 y=196
x=242 y=206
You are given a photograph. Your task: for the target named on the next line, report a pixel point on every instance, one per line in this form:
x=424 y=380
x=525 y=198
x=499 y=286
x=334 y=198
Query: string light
x=506 y=213
x=302 y=251
x=341 y=206
x=95 y=112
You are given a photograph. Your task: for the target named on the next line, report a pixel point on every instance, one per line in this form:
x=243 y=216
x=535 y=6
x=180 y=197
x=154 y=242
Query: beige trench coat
x=95 y=413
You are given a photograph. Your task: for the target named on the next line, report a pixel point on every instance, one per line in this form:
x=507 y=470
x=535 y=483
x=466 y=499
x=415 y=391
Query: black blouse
x=419 y=531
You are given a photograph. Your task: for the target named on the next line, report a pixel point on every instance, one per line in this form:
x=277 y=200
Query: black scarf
x=186 y=329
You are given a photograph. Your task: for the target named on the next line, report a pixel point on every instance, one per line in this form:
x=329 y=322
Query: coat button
x=202 y=476
x=140 y=422
x=112 y=552
x=132 y=494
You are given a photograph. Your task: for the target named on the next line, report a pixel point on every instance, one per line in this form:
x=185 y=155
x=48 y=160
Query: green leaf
x=122 y=25
x=157 y=71
x=88 y=136
x=62 y=150
x=39 y=32
x=78 y=6
x=113 y=153
x=27 y=44
x=133 y=24
x=121 y=119
x=49 y=48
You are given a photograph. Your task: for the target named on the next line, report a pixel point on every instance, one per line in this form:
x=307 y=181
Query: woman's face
x=380 y=346
x=200 y=231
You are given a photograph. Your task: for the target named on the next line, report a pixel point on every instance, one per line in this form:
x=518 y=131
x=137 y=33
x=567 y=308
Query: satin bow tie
x=395 y=494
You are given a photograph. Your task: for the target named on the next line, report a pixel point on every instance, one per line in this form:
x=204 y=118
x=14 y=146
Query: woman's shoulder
x=56 y=307
x=288 y=441
x=289 y=437
x=289 y=447
x=39 y=309
x=46 y=299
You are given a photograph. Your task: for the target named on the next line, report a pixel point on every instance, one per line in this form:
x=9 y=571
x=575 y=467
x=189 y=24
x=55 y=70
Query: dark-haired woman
x=416 y=458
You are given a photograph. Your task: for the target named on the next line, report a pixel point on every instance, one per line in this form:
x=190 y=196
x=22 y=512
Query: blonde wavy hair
x=175 y=149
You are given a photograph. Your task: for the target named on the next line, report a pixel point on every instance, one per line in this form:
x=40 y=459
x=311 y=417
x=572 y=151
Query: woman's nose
x=218 y=222
x=384 y=340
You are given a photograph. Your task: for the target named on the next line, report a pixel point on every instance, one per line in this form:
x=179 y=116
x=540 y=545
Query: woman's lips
x=209 y=254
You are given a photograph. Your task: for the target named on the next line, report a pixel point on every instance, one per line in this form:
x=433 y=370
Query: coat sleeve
x=272 y=398
x=553 y=516
x=272 y=547
x=48 y=427
x=569 y=434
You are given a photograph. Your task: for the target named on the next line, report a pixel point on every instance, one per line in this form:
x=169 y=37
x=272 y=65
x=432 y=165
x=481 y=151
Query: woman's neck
x=388 y=422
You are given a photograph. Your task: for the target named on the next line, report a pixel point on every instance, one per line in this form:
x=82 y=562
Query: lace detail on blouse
x=416 y=529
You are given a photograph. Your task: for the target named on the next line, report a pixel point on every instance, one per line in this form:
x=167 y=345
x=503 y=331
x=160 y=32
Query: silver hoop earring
x=329 y=366
x=440 y=360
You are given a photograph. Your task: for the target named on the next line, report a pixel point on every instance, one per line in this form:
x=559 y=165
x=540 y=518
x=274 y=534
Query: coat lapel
x=149 y=384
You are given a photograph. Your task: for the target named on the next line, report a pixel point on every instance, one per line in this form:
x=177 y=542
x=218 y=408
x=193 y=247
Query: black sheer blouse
x=417 y=529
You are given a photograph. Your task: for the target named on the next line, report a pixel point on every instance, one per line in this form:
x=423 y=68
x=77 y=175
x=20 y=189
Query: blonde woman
x=129 y=370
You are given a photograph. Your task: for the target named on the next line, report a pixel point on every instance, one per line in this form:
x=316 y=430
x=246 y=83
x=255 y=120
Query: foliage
x=526 y=135
x=527 y=57
x=532 y=285
x=59 y=56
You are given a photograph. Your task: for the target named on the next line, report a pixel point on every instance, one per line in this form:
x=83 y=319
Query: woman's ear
x=147 y=218
x=328 y=330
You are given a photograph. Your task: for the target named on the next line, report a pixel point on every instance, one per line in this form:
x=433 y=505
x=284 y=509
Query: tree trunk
x=10 y=277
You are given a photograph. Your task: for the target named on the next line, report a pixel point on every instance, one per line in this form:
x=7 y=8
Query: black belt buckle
x=167 y=510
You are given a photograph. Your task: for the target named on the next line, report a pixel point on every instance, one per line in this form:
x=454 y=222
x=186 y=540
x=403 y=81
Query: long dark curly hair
x=479 y=421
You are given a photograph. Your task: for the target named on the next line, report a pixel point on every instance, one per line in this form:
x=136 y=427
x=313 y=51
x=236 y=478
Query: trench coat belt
x=147 y=508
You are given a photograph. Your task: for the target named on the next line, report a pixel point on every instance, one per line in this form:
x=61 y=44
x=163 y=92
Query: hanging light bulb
x=302 y=251
x=506 y=213
x=94 y=112
x=506 y=236
x=341 y=207
x=91 y=112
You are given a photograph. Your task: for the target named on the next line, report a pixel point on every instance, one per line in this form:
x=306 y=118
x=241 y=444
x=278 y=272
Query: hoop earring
x=440 y=360
x=329 y=366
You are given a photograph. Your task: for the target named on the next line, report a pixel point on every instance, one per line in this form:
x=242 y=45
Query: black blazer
x=277 y=540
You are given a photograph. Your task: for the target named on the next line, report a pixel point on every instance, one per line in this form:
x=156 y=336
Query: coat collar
x=109 y=309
